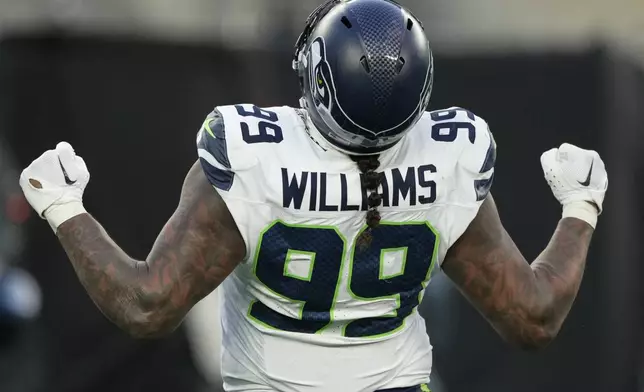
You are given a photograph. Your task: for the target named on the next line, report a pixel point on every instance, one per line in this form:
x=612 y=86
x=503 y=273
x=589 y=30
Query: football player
x=323 y=223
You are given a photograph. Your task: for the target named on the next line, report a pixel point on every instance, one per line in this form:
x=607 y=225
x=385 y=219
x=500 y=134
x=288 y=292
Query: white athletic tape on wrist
x=59 y=214
x=581 y=210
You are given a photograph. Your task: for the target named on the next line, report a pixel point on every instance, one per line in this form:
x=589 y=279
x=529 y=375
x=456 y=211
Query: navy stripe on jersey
x=490 y=157
x=482 y=187
x=222 y=180
x=418 y=388
x=213 y=152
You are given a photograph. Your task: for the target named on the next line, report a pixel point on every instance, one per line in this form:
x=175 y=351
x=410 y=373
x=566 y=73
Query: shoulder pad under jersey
x=220 y=154
x=475 y=165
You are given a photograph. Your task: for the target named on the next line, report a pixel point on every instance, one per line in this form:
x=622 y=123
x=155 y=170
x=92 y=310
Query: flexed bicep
x=195 y=251
x=493 y=275
x=198 y=247
x=528 y=303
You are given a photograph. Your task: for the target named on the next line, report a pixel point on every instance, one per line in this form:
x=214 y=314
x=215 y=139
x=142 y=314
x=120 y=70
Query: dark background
x=132 y=109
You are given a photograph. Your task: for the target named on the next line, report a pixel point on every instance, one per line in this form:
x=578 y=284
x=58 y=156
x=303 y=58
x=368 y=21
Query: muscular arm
x=525 y=303
x=196 y=250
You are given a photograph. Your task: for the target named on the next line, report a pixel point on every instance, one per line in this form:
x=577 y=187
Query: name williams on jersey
x=320 y=191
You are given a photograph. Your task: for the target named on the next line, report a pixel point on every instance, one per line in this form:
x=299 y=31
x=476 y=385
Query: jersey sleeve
x=226 y=162
x=229 y=167
x=473 y=176
x=213 y=152
x=475 y=166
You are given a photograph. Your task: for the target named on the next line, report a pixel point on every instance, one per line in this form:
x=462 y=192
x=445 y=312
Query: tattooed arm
x=525 y=303
x=196 y=250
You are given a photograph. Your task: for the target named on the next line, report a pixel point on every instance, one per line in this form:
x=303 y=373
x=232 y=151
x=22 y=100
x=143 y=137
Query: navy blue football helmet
x=366 y=73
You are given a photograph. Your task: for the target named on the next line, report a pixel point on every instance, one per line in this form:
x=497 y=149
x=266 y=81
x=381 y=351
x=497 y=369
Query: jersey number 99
x=268 y=130
x=316 y=293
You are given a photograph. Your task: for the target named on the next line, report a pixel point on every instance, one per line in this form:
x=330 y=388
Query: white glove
x=578 y=179
x=54 y=184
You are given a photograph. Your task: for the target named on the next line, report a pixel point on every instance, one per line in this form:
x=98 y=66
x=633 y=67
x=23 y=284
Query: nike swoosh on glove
x=578 y=179
x=54 y=184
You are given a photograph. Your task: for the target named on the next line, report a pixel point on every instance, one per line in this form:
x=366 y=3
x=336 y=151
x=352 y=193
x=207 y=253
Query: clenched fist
x=578 y=179
x=54 y=184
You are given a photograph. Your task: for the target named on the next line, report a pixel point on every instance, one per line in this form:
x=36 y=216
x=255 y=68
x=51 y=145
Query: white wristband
x=58 y=214
x=581 y=210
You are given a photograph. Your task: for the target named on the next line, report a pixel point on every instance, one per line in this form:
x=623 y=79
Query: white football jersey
x=311 y=308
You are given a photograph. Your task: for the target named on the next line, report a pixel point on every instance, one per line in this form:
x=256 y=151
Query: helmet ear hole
x=410 y=24
x=365 y=64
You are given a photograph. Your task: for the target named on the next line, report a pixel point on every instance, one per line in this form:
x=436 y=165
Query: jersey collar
x=315 y=135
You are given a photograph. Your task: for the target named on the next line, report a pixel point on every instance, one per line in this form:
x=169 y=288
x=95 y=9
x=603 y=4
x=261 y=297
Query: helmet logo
x=320 y=74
